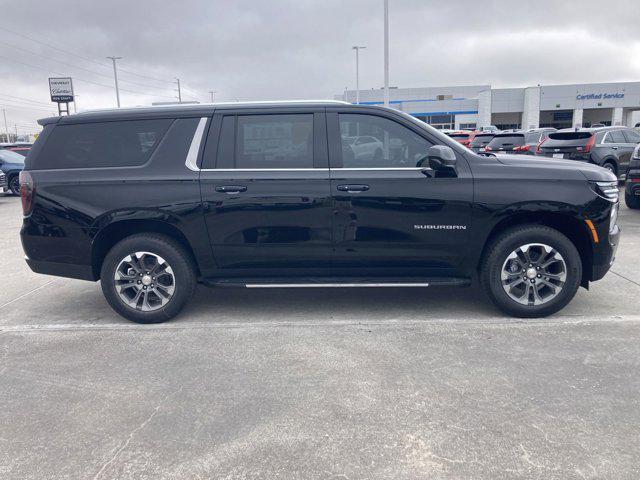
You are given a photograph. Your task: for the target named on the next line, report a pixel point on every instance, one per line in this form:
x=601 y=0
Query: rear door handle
x=231 y=189
x=353 y=188
x=614 y=148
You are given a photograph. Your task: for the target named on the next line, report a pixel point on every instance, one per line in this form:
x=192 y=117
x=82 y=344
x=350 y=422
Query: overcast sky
x=292 y=49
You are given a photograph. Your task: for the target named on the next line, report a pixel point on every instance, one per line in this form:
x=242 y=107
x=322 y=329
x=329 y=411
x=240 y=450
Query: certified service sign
x=61 y=89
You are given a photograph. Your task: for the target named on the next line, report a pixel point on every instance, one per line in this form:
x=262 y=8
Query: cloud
x=301 y=48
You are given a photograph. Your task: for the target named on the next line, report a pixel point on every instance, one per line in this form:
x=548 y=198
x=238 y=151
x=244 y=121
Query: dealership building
x=559 y=106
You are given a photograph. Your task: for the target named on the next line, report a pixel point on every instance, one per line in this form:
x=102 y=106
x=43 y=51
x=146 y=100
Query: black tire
x=632 y=201
x=13 y=185
x=183 y=271
x=506 y=243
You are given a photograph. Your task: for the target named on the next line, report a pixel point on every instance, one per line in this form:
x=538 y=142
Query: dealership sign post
x=61 y=90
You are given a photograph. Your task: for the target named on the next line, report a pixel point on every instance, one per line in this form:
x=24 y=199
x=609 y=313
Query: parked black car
x=150 y=201
x=632 y=188
x=11 y=164
x=609 y=147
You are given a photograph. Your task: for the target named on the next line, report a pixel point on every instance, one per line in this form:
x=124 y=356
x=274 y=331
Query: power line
x=24 y=99
x=82 y=79
x=68 y=52
x=79 y=67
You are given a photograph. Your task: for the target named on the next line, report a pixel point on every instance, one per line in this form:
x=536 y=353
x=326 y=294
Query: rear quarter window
x=102 y=144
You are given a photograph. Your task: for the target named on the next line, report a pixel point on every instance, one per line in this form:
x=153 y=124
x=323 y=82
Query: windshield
x=501 y=141
x=481 y=140
x=11 y=157
x=567 y=139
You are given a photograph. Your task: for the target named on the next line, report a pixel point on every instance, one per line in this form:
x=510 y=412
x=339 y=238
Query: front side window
x=102 y=144
x=274 y=141
x=632 y=136
x=379 y=143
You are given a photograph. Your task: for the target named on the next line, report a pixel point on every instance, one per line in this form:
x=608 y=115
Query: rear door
x=392 y=217
x=265 y=191
x=632 y=139
x=620 y=148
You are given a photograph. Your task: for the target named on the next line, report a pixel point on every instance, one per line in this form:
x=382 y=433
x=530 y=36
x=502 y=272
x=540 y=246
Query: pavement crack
x=626 y=278
x=133 y=432
x=19 y=297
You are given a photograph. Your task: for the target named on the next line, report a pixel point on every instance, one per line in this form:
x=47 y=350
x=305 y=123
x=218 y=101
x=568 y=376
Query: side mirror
x=442 y=159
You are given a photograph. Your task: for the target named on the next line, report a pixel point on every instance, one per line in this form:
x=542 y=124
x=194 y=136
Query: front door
x=265 y=191
x=392 y=216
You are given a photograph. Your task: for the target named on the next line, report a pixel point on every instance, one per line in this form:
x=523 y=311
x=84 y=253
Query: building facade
x=559 y=106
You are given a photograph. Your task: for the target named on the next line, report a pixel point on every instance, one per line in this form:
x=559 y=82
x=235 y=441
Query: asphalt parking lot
x=317 y=384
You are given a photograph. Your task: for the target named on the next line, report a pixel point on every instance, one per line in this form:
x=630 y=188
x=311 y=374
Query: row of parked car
x=11 y=164
x=614 y=148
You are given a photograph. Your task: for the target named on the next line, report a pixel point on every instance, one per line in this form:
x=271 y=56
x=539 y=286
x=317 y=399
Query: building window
x=468 y=126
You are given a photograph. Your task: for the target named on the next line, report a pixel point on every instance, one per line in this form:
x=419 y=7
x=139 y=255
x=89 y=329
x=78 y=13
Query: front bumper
x=604 y=254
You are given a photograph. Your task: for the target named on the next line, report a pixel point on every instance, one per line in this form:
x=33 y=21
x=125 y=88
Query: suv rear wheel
x=14 y=185
x=147 y=278
x=531 y=271
x=632 y=201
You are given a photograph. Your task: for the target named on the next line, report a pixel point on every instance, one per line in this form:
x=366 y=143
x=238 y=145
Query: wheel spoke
x=533 y=284
x=144 y=281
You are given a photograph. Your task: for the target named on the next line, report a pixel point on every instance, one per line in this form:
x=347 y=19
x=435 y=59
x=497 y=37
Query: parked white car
x=366 y=147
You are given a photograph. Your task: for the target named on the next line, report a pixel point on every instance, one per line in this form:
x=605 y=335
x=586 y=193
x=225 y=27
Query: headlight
x=614 y=217
x=607 y=190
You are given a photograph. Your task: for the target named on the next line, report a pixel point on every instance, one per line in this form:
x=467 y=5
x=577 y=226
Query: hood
x=590 y=171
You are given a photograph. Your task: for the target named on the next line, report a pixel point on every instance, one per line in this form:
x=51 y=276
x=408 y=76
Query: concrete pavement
x=317 y=384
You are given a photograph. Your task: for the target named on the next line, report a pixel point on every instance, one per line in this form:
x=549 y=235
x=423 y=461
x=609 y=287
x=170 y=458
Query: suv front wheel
x=531 y=271
x=147 y=278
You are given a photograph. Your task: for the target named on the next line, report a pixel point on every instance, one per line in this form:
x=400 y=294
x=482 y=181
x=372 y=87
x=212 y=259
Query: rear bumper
x=81 y=272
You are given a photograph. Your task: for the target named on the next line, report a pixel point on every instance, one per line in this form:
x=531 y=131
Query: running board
x=336 y=282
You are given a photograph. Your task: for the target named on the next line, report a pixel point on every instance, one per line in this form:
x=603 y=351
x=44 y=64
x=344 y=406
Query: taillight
x=540 y=145
x=522 y=148
x=27 y=192
x=590 y=144
x=488 y=149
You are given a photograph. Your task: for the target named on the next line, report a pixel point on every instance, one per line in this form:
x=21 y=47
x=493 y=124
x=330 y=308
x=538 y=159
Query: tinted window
x=567 y=139
x=459 y=136
x=615 y=136
x=390 y=145
x=481 y=140
x=105 y=144
x=506 y=141
x=632 y=136
x=274 y=141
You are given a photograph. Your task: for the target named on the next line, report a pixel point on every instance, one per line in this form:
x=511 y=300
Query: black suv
x=609 y=147
x=153 y=200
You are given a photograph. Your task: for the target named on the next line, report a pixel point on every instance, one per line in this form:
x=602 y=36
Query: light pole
x=179 y=91
x=213 y=95
x=6 y=127
x=386 y=53
x=115 y=78
x=357 y=49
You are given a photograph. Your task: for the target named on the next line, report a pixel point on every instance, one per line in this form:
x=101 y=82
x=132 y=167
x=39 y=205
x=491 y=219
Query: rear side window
x=274 y=141
x=103 y=144
x=615 y=136
x=502 y=141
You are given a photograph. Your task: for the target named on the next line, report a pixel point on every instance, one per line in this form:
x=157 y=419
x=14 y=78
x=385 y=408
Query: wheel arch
x=112 y=233
x=570 y=226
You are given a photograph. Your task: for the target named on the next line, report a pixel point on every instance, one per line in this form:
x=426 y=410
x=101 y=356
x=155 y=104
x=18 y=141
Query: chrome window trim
x=191 y=161
x=414 y=169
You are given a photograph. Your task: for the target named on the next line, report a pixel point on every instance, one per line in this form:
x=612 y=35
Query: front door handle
x=353 y=188
x=614 y=148
x=231 y=189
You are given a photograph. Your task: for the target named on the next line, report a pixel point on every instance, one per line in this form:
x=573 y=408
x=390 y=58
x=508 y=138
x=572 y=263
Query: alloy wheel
x=144 y=281
x=533 y=274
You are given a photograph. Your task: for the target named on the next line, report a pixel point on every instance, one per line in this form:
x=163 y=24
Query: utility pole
x=6 y=128
x=213 y=93
x=15 y=126
x=357 y=49
x=386 y=53
x=115 y=77
x=179 y=92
